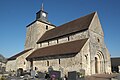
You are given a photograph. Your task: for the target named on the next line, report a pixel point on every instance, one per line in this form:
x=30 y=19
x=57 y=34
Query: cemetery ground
x=46 y=76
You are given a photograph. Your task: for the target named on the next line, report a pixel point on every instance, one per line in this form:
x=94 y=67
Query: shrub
x=2 y=78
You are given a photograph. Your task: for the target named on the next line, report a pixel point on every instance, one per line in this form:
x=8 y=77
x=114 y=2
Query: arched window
x=86 y=59
x=98 y=39
x=46 y=27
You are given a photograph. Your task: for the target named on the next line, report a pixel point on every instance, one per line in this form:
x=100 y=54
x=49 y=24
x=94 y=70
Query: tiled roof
x=19 y=54
x=77 y=25
x=59 y=49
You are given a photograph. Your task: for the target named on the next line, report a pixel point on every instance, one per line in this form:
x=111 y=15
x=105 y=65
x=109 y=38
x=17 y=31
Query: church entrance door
x=99 y=63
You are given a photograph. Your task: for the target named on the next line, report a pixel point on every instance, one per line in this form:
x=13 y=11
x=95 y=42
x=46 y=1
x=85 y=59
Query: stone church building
x=73 y=46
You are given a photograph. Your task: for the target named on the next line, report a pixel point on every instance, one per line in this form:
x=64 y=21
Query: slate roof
x=19 y=54
x=80 y=24
x=59 y=49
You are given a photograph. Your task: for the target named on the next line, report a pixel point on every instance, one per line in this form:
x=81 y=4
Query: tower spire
x=42 y=7
x=42 y=15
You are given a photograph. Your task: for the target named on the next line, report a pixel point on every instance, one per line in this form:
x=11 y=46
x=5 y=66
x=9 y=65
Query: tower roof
x=42 y=15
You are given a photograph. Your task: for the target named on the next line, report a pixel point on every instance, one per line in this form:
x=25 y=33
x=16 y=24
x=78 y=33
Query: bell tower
x=37 y=28
x=42 y=15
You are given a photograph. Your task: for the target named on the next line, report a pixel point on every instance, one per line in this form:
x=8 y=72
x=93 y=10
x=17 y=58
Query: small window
x=24 y=62
x=98 y=40
x=59 y=61
x=47 y=63
x=86 y=59
x=35 y=68
x=46 y=27
x=48 y=43
x=57 y=40
x=68 y=38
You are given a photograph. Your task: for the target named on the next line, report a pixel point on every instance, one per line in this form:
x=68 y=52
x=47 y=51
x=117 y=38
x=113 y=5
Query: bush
x=2 y=78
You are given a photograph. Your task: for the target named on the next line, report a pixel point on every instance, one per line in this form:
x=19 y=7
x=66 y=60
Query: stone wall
x=79 y=35
x=53 y=42
x=44 y=44
x=40 y=65
x=21 y=61
x=63 y=40
x=34 y=32
x=98 y=48
x=43 y=65
x=11 y=65
x=77 y=62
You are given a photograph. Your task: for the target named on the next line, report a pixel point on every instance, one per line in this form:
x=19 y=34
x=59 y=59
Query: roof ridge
x=18 y=54
x=77 y=18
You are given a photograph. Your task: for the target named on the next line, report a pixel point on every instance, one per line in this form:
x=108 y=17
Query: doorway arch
x=99 y=62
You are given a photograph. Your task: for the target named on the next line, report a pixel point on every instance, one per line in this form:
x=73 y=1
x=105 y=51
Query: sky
x=15 y=15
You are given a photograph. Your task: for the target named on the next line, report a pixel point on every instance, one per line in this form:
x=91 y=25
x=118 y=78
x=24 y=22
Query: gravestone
x=57 y=74
x=118 y=77
x=82 y=72
x=50 y=69
x=3 y=69
x=32 y=73
x=41 y=75
x=72 y=75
